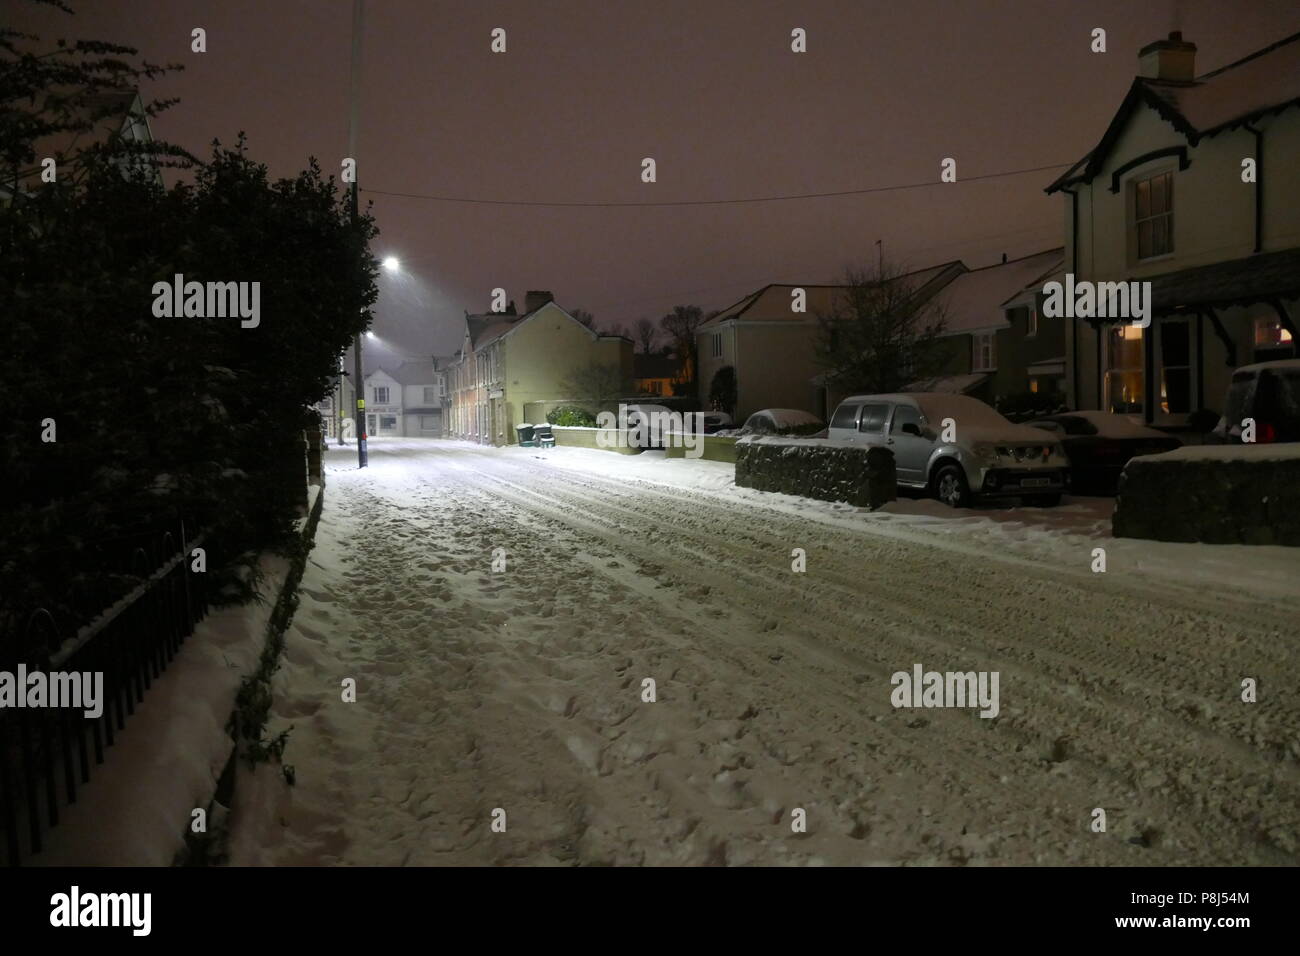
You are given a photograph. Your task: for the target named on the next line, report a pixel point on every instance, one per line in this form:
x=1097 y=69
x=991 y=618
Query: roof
x=974 y=299
x=110 y=113
x=950 y=384
x=489 y=326
x=655 y=366
x=772 y=302
x=414 y=373
x=1257 y=278
x=1266 y=81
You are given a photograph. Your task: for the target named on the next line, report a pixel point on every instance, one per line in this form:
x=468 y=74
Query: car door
x=871 y=423
x=911 y=451
x=845 y=421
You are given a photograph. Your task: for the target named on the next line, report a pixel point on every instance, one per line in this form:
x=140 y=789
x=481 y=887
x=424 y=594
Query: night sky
x=710 y=89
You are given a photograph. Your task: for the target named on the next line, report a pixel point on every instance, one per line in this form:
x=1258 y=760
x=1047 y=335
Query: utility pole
x=359 y=382
x=880 y=259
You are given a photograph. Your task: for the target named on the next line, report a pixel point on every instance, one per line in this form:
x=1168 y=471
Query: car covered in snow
x=1100 y=444
x=776 y=421
x=1268 y=394
x=955 y=447
x=715 y=422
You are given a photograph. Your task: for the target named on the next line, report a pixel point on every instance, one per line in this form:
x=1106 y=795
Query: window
x=653 y=386
x=381 y=394
x=904 y=415
x=845 y=416
x=430 y=394
x=1175 y=368
x=1123 y=379
x=1153 y=215
x=873 y=418
x=984 y=346
x=1031 y=322
x=717 y=345
x=1272 y=339
x=387 y=422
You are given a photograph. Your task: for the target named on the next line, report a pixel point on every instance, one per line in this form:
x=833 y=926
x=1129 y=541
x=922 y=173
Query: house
x=421 y=399
x=656 y=373
x=512 y=368
x=996 y=344
x=112 y=116
x=383 y=405
x=773 y=349
x=1193 y=188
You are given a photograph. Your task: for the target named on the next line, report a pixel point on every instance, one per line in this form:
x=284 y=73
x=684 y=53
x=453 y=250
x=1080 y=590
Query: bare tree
x=614 y=328
x=680 y=325
x=596 y=385
x=585 y=317
x=646 y=334
x=880 y=335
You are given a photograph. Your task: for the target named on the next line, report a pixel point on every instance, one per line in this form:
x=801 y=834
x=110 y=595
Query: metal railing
x=45 y=752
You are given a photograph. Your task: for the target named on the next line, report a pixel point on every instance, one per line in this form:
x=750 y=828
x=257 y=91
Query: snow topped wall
x=1220 y=494
x=816 y=468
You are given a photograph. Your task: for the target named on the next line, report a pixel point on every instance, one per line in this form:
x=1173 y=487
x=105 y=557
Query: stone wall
x=813 y=468
x=1218 y=499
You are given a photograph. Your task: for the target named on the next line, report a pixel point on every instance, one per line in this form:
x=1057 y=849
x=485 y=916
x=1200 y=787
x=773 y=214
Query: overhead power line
x=713 y=202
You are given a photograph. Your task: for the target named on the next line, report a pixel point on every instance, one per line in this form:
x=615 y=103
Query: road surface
x=521 y=690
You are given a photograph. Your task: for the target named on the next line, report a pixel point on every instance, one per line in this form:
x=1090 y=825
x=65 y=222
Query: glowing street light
x=392 y=264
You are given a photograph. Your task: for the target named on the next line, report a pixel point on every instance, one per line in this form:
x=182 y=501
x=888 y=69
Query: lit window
x=1270 y=333
x=1124 y=394
x=1032 y=324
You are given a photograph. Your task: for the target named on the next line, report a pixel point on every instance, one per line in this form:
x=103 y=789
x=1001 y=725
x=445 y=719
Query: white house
x=1192 y=187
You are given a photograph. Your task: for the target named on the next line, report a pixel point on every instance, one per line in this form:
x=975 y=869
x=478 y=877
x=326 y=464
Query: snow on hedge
x=1278 y=451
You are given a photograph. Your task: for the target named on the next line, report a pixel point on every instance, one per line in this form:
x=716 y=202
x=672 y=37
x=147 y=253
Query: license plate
x=1035 y=482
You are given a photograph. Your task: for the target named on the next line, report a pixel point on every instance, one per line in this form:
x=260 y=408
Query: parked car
x=1099 y=445
x=771 y=421
x=716 y=421
x=656 y=427
x=988 y=456
x=1270 y=394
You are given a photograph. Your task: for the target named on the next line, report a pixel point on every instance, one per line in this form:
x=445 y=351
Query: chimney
x=1173 y=59
x=535 y=299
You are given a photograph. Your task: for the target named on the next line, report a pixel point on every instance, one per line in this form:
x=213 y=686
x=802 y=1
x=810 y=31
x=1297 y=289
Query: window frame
x=1135 y=222
x=978 y=340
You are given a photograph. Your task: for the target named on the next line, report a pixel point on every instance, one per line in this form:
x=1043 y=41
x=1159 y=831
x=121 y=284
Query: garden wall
x=586 y=438
x=816 y=468
x=1219 y=494
x=714 y=448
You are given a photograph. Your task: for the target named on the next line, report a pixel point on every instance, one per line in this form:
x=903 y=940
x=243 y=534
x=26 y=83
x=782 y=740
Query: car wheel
x=1043 y=501
x=950 y=486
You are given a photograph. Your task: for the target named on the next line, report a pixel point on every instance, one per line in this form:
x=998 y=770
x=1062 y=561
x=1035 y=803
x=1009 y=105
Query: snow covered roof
x=414 y=373
x=949 y=384
x=772 y=302
x=974 y=299
x=1266 y=81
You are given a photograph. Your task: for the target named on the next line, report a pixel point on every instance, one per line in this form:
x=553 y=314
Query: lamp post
x=359 y=383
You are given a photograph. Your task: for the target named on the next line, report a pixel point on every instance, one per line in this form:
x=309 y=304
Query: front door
x=911 y=452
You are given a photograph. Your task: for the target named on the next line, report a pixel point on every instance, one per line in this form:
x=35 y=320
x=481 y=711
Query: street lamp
x=392 y=264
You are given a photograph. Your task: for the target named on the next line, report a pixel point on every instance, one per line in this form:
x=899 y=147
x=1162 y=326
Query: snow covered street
x=522 y=689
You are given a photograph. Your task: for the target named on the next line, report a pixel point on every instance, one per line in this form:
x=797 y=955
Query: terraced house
x=512 y=368
x=1195 y=187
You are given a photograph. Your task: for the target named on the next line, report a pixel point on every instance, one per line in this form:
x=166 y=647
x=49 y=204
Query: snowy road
x=521 y=689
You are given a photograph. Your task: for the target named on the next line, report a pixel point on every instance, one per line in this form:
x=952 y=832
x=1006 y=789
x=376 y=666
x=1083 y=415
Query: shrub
x=571 y=416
